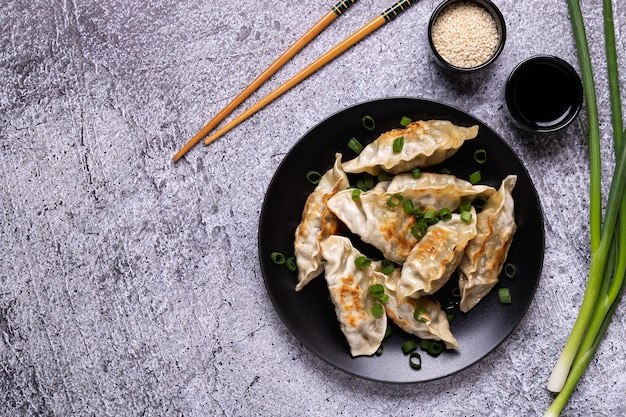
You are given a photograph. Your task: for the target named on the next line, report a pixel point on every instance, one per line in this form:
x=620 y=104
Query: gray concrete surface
x=130 y=285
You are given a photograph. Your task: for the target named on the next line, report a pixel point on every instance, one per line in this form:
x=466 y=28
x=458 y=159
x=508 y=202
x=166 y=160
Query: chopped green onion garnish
x=510 y=270
x=418 y=212
x=278 y=258
x=475 y=177
x=368 y=122
x=362 y=262
x=416 y=172
x=314 y=177
x=417 y=314
x=418 y=231
x=387 y=267
x=405 y=121
x=395 y=200
x=356 y=194
x=424 y=344
x=366 y=182
x=445 y=214
x=430 y=216
x=398 y=144
x=479 y=203
x=290 y=263
x=408 y=206
x=456 y=292
x=355 y=145
x=376 y=290
x=434 y=347
x=445 y=171
x=449 y=316
x=409 y=346
x=383 y=176
x=466 y=216
x=415 y=360
x=466 y=205
x=377 y=311
x=504 y=295
x=480 y=156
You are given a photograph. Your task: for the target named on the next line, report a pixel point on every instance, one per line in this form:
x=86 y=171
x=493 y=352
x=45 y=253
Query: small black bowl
x=500 y=28
x=544 y=93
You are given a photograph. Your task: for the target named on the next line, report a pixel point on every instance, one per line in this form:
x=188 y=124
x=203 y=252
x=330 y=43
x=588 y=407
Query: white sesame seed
x=465 y=35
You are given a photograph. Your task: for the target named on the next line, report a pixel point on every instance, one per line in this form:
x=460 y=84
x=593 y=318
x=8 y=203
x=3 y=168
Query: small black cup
x=543 y=94
x=498 y=18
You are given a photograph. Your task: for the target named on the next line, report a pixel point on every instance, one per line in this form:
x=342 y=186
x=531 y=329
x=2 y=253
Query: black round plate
x=309 y=314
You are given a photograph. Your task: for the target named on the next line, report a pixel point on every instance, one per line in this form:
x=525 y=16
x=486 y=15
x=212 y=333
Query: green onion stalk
x=606 y=281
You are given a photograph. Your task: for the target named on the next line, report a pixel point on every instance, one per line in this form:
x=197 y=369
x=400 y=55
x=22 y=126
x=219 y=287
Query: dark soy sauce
x=543 y=95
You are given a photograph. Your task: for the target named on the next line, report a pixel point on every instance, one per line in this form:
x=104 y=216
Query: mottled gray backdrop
x=130 y=285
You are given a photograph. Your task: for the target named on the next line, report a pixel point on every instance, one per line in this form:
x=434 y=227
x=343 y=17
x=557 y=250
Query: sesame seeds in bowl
x=466 y=35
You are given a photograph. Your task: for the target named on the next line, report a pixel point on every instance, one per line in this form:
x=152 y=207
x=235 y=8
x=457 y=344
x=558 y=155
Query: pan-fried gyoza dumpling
x=437 y=191
x=426 y=143
x=317 y=224
x=386 y=228
x=434 y=323
x=485 y=254
x=435 y=257
x=348 y=287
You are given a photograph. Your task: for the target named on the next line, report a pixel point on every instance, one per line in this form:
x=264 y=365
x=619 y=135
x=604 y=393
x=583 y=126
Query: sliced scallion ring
x=475 y=177
x=480 y=156
x=278 y=258
x=417 y=314
x=510 y=270
x=369 y=181
x=445 y=214
x=418 y=231
x=479 y=203
x=405 y=121
x=415 y=360
x=376 y=290
x=368 y=122
x=409 y=346
x=395 y=200
x=398 y=144
x=290 y=263
x=378 y=310
x=314 y=177
x=449 y=316
x=434 y=347
x=387 y=267
x=408 y=206
x=504 y=295
x=430 y=216
x=355 y=145
x=362 y=262
x=383 y=176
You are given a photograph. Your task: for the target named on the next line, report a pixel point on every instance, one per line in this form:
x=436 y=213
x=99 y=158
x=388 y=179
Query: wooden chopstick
x=385 y=17
x=309 y=35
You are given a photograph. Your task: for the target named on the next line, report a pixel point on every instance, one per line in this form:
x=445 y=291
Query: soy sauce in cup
x=544 y=94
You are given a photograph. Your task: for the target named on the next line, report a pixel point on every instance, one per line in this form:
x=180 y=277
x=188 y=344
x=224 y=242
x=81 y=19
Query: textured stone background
x=130 y=285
